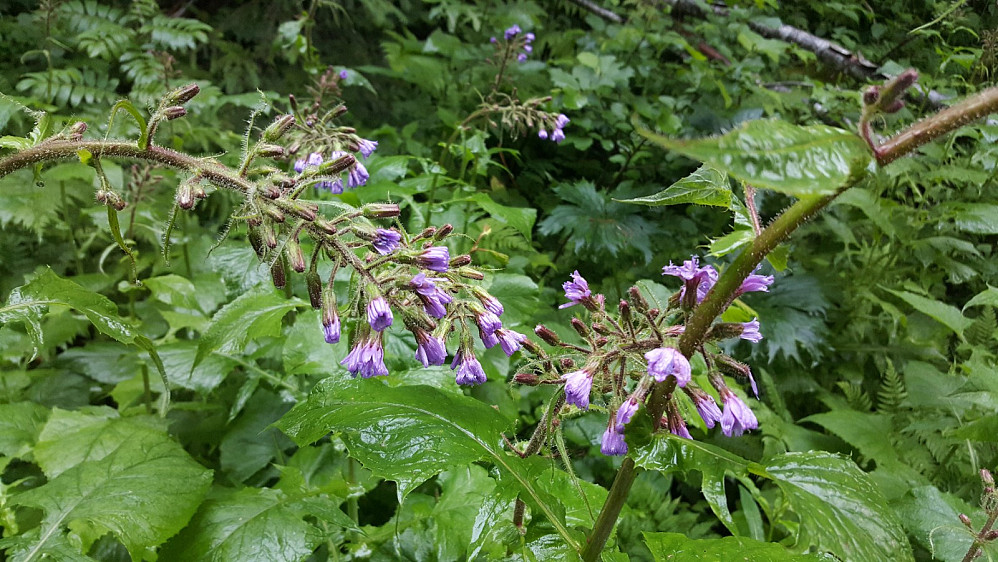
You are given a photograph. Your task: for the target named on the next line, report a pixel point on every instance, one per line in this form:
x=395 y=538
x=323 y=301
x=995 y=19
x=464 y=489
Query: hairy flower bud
x=326 y=226
x=174 y=112
x=275 y=214
x=987 y=478
x=185 y=196
x=381 y=211
x=292 y=249
x=443 y=232
x=277 y=274
x=77 y=130
x=461 y=260
x=625 y=311
x=527 y=379
x=183 y=94
x=469 y=273
x=270 y=150
x=304 y=211
x=567 y=363
x=966 y=520
x=601 y=329
x=531 y=346
x=278 y=128
x=580 y=327
x=638 y=299
x=871 y=95
x=426 y=233
x=547 y=334
x=268 y=235
x=314 y=284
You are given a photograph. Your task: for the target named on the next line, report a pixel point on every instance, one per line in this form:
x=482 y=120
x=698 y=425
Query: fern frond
x=982 y=331
x=106 y=40
x=70 y=86
x=83 y=16
x=175 y=34
x=857 y=398
x=892 y=391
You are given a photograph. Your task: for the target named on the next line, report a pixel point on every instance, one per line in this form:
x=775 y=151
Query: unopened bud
x=531 y=346
x=326 y=226
x=871 y=95
x=732 y=366
x=991 y=535
x=77 y=130
x=111 y=199
x=724 y=330
x=528 y=379
x=314 y=284
x=277 y=274
x=625 y=311
x=470 y=273
x=654 y=313
x=894 y=106
x=268 y=236
x=275 y=214
x=292 y=249
x=293 y=102
x=426 y=233
x=382 y=211
x=547 y=335
x=463 y=259
x=256 y=241
x=580 y=327
x=278 y=128
x=567 y=363
x=638 y=299
x=185 y=196
x=339 y=110
x=987 y=478
x=965 y=520
x=601 y=341
x=183 y=94
x=174 y=112
x=270 y=150
x=270 y=191
x=198 y=191
x=601 y=329
x=301 y=210
x=341 y=164
x=443 y=231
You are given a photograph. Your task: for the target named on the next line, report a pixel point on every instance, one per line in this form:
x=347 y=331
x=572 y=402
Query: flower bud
x=871 y=95
x=292 y=249
x=567 y=363
x=339 y=110
x=894 y=106
x=183 y=94
x=111 y=199
x=256 y=241
x=469 y=273
x=987 y=478
x=270 y=150
x=426 y=233
x=293 y=102
x=277 y=274
x=547 y=335
x=724 y=330
x=601 y=341
x=443 y=231
x=382 y=211
x=625 y=311
x=531 y=346
x=654 y=313
x=991 y=535
x=580 y=327
x=301 y=210
x=326 y=226
x=601 y=329
x=341 y=164
x=528 y=379
x=77 y=130
x=278 y=128
x=638 y=299
x=966 y=520
x=268 y=236
x=275 y=214
x=270 y=191
x=174 y=112
x=461 y=260
x=185 y=196
x=314 y=284
x=198 y=191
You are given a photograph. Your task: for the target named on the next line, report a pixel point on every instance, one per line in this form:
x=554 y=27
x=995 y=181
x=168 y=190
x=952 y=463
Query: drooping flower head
x=737 y=417
x=755 y=283
x=366 y=358
x=490 y=303
x=357 y=176
x=487 y=322
x=542 y=134
x=666 y=361
x=379 y=316
x=386 y=241
x=509 y=340
x=489 y=339
x=578 y=385
x=367 y=147
x=750 y=331
x=626 y=412
x=697 y=279
x=434 y=258
x=469 y=370
x=429 y=350
x=432 y=297
x=677 y=425
x=613 y=443
x=706 y=406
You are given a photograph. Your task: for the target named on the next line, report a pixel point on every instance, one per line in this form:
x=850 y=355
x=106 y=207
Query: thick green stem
x=611 y=509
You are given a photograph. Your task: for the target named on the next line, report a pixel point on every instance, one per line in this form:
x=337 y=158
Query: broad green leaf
x=862 y=430
x=408 y=434
x=250 y=444
x=306 y=351
x=253 y=314
x=20 y=425
x=975 y=218
x=73 y=437
x=840 y=508
x=677 y=547
x=982 y=429
x=945 y=314
x=932 y=517
x=987 y=297
x=518 y=294
x=520 y=218
x=773 y=154
x=143 y=490
x=705 y=186
x=249 y=525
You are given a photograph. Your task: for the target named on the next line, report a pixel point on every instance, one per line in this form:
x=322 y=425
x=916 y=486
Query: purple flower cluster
x=696 y=280
x=429 y=350
x=557 y=133
x=469 y=370
x=357 y=174
x=386 y=241
x=434 y=258
x=366 y=358
x=512 y=33
x=430 y=295
x=577 y=292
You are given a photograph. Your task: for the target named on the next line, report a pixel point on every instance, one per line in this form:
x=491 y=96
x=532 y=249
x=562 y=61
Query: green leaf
x=250 y=444
x=520 y=218
x=932 y=517
x=773 y=154
x=947 y=315
x=408 y=434
x=253 y=314
x=20 y=425
x=862 y=430
x=252 y=524
x=143 y=489
x=975 y=218
x=677 y=547
x=987 y=297
x=705 y=186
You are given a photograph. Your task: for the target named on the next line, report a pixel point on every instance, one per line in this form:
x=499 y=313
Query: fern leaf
x=892 y=392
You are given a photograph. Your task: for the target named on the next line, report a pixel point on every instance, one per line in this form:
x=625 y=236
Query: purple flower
x=696 y=278
x=314 y=159
x=490 y=303
x=357 y=176
x=737 y=417
x=432 y=297
x=492 y=39
x=512 y=31
x=558 y=135
x=576 y=290
x=469 y=370
x=677 y=425
x=542 y=134
x=521 y=57
x=561 y=121
x=626 y=412
x=528 y=49
x=343 y=75
x=529 y=37
x=299 y=165
x=434 y=258
x=489 y=339
x=331 y=330
x=706 y=407
x=750 y=331
x=487 y=322
x=666 y=361
x=367 y=147
x=613 y=440
x=379 y=316
x=386 y=241
x=510 y=340
x=366 y=358
x=429 y=350
x=578 y=385
x=755 y=283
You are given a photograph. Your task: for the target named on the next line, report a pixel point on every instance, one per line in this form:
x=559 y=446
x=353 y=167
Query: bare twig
x=600 y=11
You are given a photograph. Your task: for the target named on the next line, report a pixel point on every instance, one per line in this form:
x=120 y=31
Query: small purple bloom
x=432 y=297
x=666 y=361
x=367 y=358
x=707 y=408
x=750 y=331
x=386 y=241
x=299 y=165
x=357 y=176
x=510 y=340
x=521 y=57
x=679 y=428
x=696 y=278
x=542 y=134
x=737 y=417
x=469 y=370
x=561 y=121
x=613 y=443
x=314 y=159
x=489 y=340
x=754 y=283
x=434 y=258
x=626 y=412
x=335 y=187
x=343 y=75
x=529 y=37
x=331 y=331
x=379 y=316
x=578 y=385
x=558 y=135
x=429 y=350
x=367 y=147
x=576 y=290
x=490 y=303
x=512 y=31
x=528 y=49
x=487 y=322
x=492 y=39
